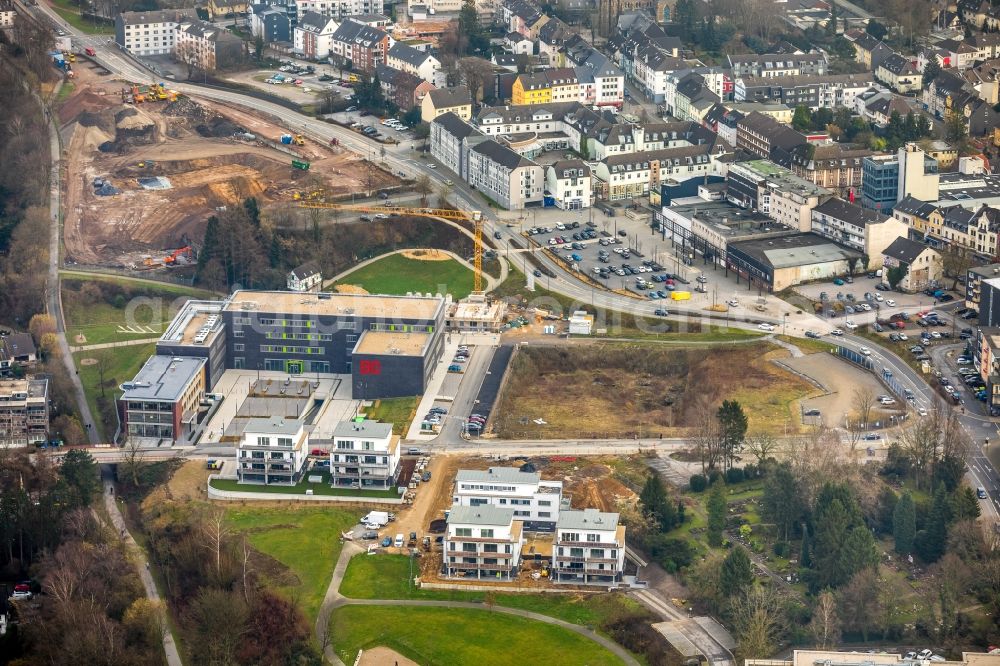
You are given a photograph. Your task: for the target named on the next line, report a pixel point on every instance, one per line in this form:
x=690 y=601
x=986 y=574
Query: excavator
x=170 y=259
x=473 y=216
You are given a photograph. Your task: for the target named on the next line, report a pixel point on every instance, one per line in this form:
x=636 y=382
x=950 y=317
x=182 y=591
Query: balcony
x=466 y=566
x=464 y=539
x=599 y=560
x=587 y=544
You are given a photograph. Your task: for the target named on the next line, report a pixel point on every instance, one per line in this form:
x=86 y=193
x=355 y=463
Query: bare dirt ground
x=383 y=656
x=192 y=145
x=588 y=482
x=350 y=289
x=426 y=255
x=598 y=390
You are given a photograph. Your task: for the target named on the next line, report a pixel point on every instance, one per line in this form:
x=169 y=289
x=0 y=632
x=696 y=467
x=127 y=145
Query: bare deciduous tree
x=863 y=401
x=825 y=624
x=214 y=529
x=758 y=620
x=761 y=446
x=132 y=459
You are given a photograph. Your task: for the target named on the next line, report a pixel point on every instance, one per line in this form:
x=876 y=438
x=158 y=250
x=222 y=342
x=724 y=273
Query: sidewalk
x=169 y=646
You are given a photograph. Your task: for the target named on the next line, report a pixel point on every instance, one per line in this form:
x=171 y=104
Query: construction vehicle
x=474 y=216
x=301 y=165
x=170 y=259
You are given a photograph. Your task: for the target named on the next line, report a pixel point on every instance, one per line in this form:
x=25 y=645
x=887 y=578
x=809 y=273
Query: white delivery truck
x=376 y=519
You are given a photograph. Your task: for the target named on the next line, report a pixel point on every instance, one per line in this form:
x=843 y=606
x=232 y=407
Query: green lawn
x=322 y=488
x=102 y=321
x=71 y=14
x=397 y=411
x=64 y=92
x=461 y=637
x=809 y=345
x=388 y=576
x=305 y=539
x=397 y=274
x=122 y=364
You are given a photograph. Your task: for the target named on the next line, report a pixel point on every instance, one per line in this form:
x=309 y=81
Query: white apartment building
x=364 y=454
x=339 y=9
x=419 y=63
x=482 y=542
x=7 y=16
x=509 y=179
x=568 y=183
x=867 y=231
x=589 y=548
x=534 y=501
x=774 y=191
x=313 y=36
x=151 y=33
x=272 y=451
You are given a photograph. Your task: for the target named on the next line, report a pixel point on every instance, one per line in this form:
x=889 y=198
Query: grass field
x=459 y=637
x=301 y=487
x=64 y=92
x=102 y=321
x=71 y=14
x=397 y=274
x=809 y=345
x=616 y=389
x=388 y=577
x=397 y=411
x=123 y=363
x=305 y=539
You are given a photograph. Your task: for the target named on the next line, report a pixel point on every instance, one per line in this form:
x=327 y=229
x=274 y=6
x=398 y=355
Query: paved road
x=715 y=652
x=139 y=557
x=112 y=345
x=53 y=294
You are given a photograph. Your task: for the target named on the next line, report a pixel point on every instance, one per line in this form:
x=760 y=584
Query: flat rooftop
x=197 y=323
x=783 y=178
x=968 y=190
x=478 y=311
x=163 y=378
x=798 y=249
x=392 y=343
x=20 y=390
x=334 y=305
x=726 y=219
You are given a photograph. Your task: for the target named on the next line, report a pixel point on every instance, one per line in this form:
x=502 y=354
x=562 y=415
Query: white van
x=399 y=541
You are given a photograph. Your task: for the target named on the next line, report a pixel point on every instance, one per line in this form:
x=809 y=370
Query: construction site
x=145 y=167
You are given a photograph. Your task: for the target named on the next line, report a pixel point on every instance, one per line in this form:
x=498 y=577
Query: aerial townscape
x=500 y=332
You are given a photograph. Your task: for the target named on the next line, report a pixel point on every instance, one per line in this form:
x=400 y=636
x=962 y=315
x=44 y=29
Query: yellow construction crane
x=474 y=216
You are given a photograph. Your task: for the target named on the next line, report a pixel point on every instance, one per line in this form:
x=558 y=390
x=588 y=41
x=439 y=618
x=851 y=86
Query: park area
x=424 y=271
x=460 y=636
x=606 y=389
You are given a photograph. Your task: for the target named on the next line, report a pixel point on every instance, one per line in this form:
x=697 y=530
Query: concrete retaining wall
x=231 y=495
x=510 y=588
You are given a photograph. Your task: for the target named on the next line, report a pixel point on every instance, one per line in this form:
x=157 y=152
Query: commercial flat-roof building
x=783 y=261
x=388 y=344
x=775 y=191
x=24 y=411
x=162 y=401
x=825 y=657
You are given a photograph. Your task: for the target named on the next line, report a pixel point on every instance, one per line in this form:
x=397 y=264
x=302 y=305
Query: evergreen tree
x=858 y=552
x=832 y=525
x=717 y=507
x=685 y=14
x=964 y=504
x=737 y=572
x=253 y=211
x=782 y=502
x=931 y=71
x=657 y=504
x=887 y=501
x=470 y=28
x=274 y=253
x=805 y=551
x=904 y=526
x=932 y=540
x=733 y=425
x=209 y=244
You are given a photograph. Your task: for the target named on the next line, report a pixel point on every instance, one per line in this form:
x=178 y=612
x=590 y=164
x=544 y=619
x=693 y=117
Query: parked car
x=765 y=327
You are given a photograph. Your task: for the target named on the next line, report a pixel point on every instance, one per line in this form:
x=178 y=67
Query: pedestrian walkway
x=169 y=646
x=334 y=599
x=112 y=345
